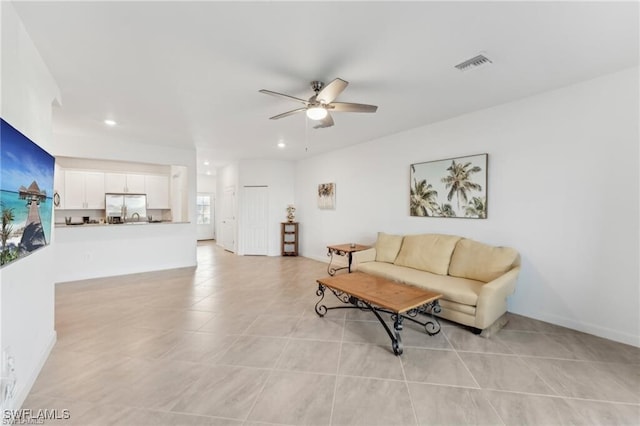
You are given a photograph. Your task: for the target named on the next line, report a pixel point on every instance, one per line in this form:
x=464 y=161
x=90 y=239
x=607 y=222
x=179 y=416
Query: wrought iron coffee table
x=376 y=294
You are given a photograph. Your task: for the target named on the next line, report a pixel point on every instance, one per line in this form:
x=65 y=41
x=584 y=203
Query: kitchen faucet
x=136 y=215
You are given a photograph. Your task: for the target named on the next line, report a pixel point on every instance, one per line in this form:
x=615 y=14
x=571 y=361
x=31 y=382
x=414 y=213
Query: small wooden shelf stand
x=289 y=238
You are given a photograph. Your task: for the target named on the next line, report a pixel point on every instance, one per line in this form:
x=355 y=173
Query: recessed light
x=208 y=173
x=110 y=123
x=281 y=144
x=206 y=163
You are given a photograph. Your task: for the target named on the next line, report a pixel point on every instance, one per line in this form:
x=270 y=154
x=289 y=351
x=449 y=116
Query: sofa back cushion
x=427 y=252
x=387 y=247
x=478 y=261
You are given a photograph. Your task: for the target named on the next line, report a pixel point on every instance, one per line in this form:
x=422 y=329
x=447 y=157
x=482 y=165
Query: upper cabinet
x=157 y=190
x=86 y=189
x=124 y=183
x=83 y=190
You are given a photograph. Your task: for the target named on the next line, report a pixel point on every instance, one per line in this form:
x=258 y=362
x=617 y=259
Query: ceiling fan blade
x=281 y=95
x=332 y=90
x=325 y=122
x=350 y=107
x=288 y=113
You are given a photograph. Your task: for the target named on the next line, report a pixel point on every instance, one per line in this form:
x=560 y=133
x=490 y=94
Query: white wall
x=207 y=184
x=563 y=190
x=279 y=177
x=26 y=286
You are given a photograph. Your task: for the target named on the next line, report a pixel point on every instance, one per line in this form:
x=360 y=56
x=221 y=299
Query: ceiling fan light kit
x=316 y=112
x=318 y=106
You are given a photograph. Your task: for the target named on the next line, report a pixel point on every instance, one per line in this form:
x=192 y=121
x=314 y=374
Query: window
x=203 y=203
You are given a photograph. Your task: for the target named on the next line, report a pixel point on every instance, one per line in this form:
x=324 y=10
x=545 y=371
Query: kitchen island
x=101 y=250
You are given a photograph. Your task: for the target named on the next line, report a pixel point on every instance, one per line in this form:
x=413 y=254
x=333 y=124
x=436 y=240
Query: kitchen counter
x=88 y=225
x=96 y=250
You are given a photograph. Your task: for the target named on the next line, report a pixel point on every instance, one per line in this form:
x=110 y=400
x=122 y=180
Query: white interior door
x=255 y=202
x=205 y=204
x=229 y=219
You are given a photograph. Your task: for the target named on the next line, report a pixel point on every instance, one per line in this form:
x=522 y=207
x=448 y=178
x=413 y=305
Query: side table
x=343 y=250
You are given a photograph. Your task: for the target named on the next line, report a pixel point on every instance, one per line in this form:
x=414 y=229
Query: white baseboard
x=24 y=390
x=589 y=328
x=323 y=259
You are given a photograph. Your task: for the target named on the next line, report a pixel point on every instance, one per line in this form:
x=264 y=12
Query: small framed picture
x=327 y=196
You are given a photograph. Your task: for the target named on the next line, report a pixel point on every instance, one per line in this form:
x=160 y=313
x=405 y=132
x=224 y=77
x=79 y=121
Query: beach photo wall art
x=455 y=187
x=26 y=188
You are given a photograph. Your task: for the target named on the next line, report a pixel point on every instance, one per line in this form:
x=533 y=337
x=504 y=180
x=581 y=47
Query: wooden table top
x=347 y=247
x=380 y=291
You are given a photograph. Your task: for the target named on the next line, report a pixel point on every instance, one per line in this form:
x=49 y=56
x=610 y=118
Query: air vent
x=473 y=63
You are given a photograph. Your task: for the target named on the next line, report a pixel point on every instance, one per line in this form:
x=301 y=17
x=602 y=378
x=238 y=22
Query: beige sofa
x=474 y=279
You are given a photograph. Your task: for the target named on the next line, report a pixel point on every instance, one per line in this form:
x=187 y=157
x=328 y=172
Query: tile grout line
x=474 y=379
x=532 y=368
x=544 y=395
x=335 y=386
x=271 y=371
x=462 y=361
x=538 y=375
x=406 y=385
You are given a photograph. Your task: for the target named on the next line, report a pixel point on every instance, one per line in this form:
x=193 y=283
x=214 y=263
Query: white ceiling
x=187 y=74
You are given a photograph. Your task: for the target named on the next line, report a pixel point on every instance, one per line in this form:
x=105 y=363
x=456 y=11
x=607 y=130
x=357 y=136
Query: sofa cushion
x=460 y=290
x=427 y=252
x=458 y=307
x=478 y=261
x=387 y=247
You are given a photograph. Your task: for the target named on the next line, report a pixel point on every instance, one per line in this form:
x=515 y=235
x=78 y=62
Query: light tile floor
x=237 y=342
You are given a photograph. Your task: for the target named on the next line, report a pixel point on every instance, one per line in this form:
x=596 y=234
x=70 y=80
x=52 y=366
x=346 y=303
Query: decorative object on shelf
x=455 y=187
x=327 y=196
x=291 y=213
x=26 y=210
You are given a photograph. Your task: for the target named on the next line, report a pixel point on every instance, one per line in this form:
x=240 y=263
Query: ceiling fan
x=319 y=105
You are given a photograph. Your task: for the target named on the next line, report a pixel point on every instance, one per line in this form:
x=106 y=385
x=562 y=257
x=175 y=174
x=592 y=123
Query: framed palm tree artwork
x=455 y=187
x=327 y=196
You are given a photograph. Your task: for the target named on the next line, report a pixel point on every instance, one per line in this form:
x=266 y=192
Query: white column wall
x=27 y=92
x=563 y=190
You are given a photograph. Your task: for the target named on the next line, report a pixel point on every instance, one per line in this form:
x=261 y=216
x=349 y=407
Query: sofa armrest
x=358 y=257
x=492 y=300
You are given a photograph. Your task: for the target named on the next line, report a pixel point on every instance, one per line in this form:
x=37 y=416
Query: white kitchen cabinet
x=83 y=190
x=157 y=190
x=135 y=184
x=124 y=183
